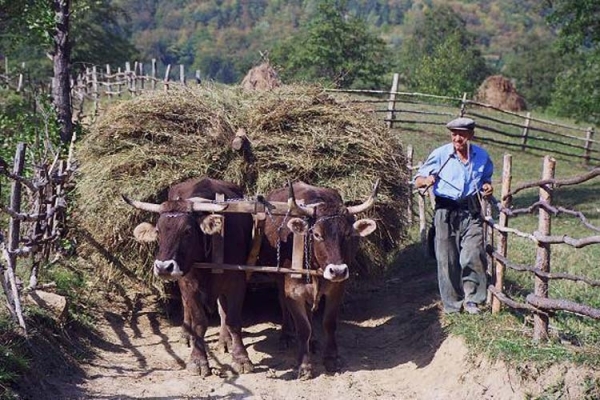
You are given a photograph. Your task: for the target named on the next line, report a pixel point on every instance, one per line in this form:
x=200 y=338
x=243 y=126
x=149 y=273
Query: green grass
x=508 y=335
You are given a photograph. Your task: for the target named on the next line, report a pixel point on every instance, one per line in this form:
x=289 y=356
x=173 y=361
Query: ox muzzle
x=336 y=272
x=167 y=270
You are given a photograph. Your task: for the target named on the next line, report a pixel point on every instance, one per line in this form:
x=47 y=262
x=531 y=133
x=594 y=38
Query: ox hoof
x=198 y=369
x=185 y=339
x=332 y=364
x=243 y=366
x=224 y=346
x=305 y=372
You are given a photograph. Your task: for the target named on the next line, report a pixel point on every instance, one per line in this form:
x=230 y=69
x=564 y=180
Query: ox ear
x=298 y=226
x=364 y=227
x=145 y=232
x=212 y=224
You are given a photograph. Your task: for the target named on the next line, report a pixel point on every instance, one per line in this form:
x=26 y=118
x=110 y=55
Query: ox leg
x=330 y=318
x=287 y=324
x=224 y=335
x=302 y=323
x=232 y=310
x=187 y=327
x=198 y=324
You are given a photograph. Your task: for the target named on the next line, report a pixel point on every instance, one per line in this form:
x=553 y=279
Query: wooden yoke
x=218 y=240
x=298 y=255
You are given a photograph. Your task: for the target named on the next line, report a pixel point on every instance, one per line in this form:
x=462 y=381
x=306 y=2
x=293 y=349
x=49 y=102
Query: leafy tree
x=335 y=48
x=441 y=56
x=534 y=66
x=579 y=32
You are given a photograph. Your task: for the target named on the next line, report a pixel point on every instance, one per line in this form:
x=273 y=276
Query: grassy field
x=508 y=335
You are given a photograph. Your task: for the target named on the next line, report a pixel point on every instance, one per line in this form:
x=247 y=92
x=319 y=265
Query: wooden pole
x=95 y=93
x=503 y=240
x=182 y=74
x=21 y=77
x=119 y=77
x=463 y=104
x=128 y=77
x=142 y=76
x=198 y=79
x=410 y=152
x=525 y=133
x=153 y=74
x=542 y=262
x=14 y=227
x=589 y=134
x=166 y=80
x=218 y=240
x=392 y=102
x=108 y=79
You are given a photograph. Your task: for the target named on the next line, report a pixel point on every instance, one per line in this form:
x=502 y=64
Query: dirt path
x=391 y=342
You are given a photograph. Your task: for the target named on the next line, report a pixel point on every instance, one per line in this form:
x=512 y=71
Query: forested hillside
x=224 y=38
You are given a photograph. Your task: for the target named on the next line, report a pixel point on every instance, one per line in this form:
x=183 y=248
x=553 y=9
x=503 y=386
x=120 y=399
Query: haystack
x=142 y=146
x=499 y=92
x=261 y=77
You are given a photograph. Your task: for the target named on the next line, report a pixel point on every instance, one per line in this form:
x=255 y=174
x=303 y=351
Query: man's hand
x=487 y=189
x=425 y=181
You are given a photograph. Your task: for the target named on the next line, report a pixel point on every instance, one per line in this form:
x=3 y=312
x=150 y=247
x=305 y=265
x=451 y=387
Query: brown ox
x=184 y=232
x=331 y=235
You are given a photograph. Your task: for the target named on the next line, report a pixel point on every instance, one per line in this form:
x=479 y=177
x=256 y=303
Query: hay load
x=499 y=92
x=261 y=77
x=142 y=146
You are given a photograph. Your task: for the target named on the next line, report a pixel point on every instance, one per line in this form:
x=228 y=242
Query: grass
x=508 y=335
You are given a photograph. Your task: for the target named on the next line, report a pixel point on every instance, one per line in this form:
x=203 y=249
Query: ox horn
x=142 y=205
x=368 y=203
x=293 y=206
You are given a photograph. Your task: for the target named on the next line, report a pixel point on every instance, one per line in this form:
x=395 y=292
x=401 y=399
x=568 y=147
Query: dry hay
x=499 y=92
x=142 y=146
x=261 y=77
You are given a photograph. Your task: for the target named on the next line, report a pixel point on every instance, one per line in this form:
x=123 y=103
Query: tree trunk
x=61 y=88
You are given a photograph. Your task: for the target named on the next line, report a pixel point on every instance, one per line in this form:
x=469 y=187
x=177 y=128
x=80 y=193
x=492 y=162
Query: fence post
x=589 y=134
x=166 y=81
x=542 y=261
x=182 y=74
x=198 y=79
x=392 y=102
x=142 y=76
x=410 y=152
x=21 y=77
x=502 y=222
x=119 y=85
x=463 y=104
x=14 y=228
x=95 y=93
x=525 y=133
x=128 y=77
x=153 y=74
x=108 y=80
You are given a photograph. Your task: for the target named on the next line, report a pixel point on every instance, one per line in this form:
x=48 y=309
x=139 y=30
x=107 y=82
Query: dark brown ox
x=331 y=235
x=184 y=232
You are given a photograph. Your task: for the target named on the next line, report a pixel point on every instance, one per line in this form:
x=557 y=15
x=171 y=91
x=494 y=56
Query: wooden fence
x=510 y=129
x=46 y=199
x=398 y=109
x=537 y=302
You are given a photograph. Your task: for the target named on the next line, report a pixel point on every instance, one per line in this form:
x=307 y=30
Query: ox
x=184 y=232
x=331 y=235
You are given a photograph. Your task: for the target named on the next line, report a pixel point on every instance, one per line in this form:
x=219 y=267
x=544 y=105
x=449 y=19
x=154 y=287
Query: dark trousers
x=461 y=258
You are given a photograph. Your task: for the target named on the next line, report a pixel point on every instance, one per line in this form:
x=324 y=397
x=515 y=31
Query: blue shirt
x=457 y=180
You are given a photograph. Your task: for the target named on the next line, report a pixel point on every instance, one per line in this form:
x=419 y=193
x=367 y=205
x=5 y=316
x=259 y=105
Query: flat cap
x=461 y=124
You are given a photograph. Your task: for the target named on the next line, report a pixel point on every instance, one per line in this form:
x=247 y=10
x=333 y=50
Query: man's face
x=460 y=138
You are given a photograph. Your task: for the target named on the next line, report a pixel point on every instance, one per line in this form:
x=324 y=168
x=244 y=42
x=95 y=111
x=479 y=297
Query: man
x=460 y=173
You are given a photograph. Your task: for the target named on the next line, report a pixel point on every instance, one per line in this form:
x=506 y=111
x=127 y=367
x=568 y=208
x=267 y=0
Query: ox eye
x=317 y=236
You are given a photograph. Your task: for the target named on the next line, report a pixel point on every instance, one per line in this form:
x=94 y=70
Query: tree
x=333 y=47
x=579 y=32
x=441 y=56
x=534 y=65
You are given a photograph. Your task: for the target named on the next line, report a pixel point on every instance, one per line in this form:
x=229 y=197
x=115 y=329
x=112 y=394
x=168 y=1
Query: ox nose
x=168 y=269
x=336 y=272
